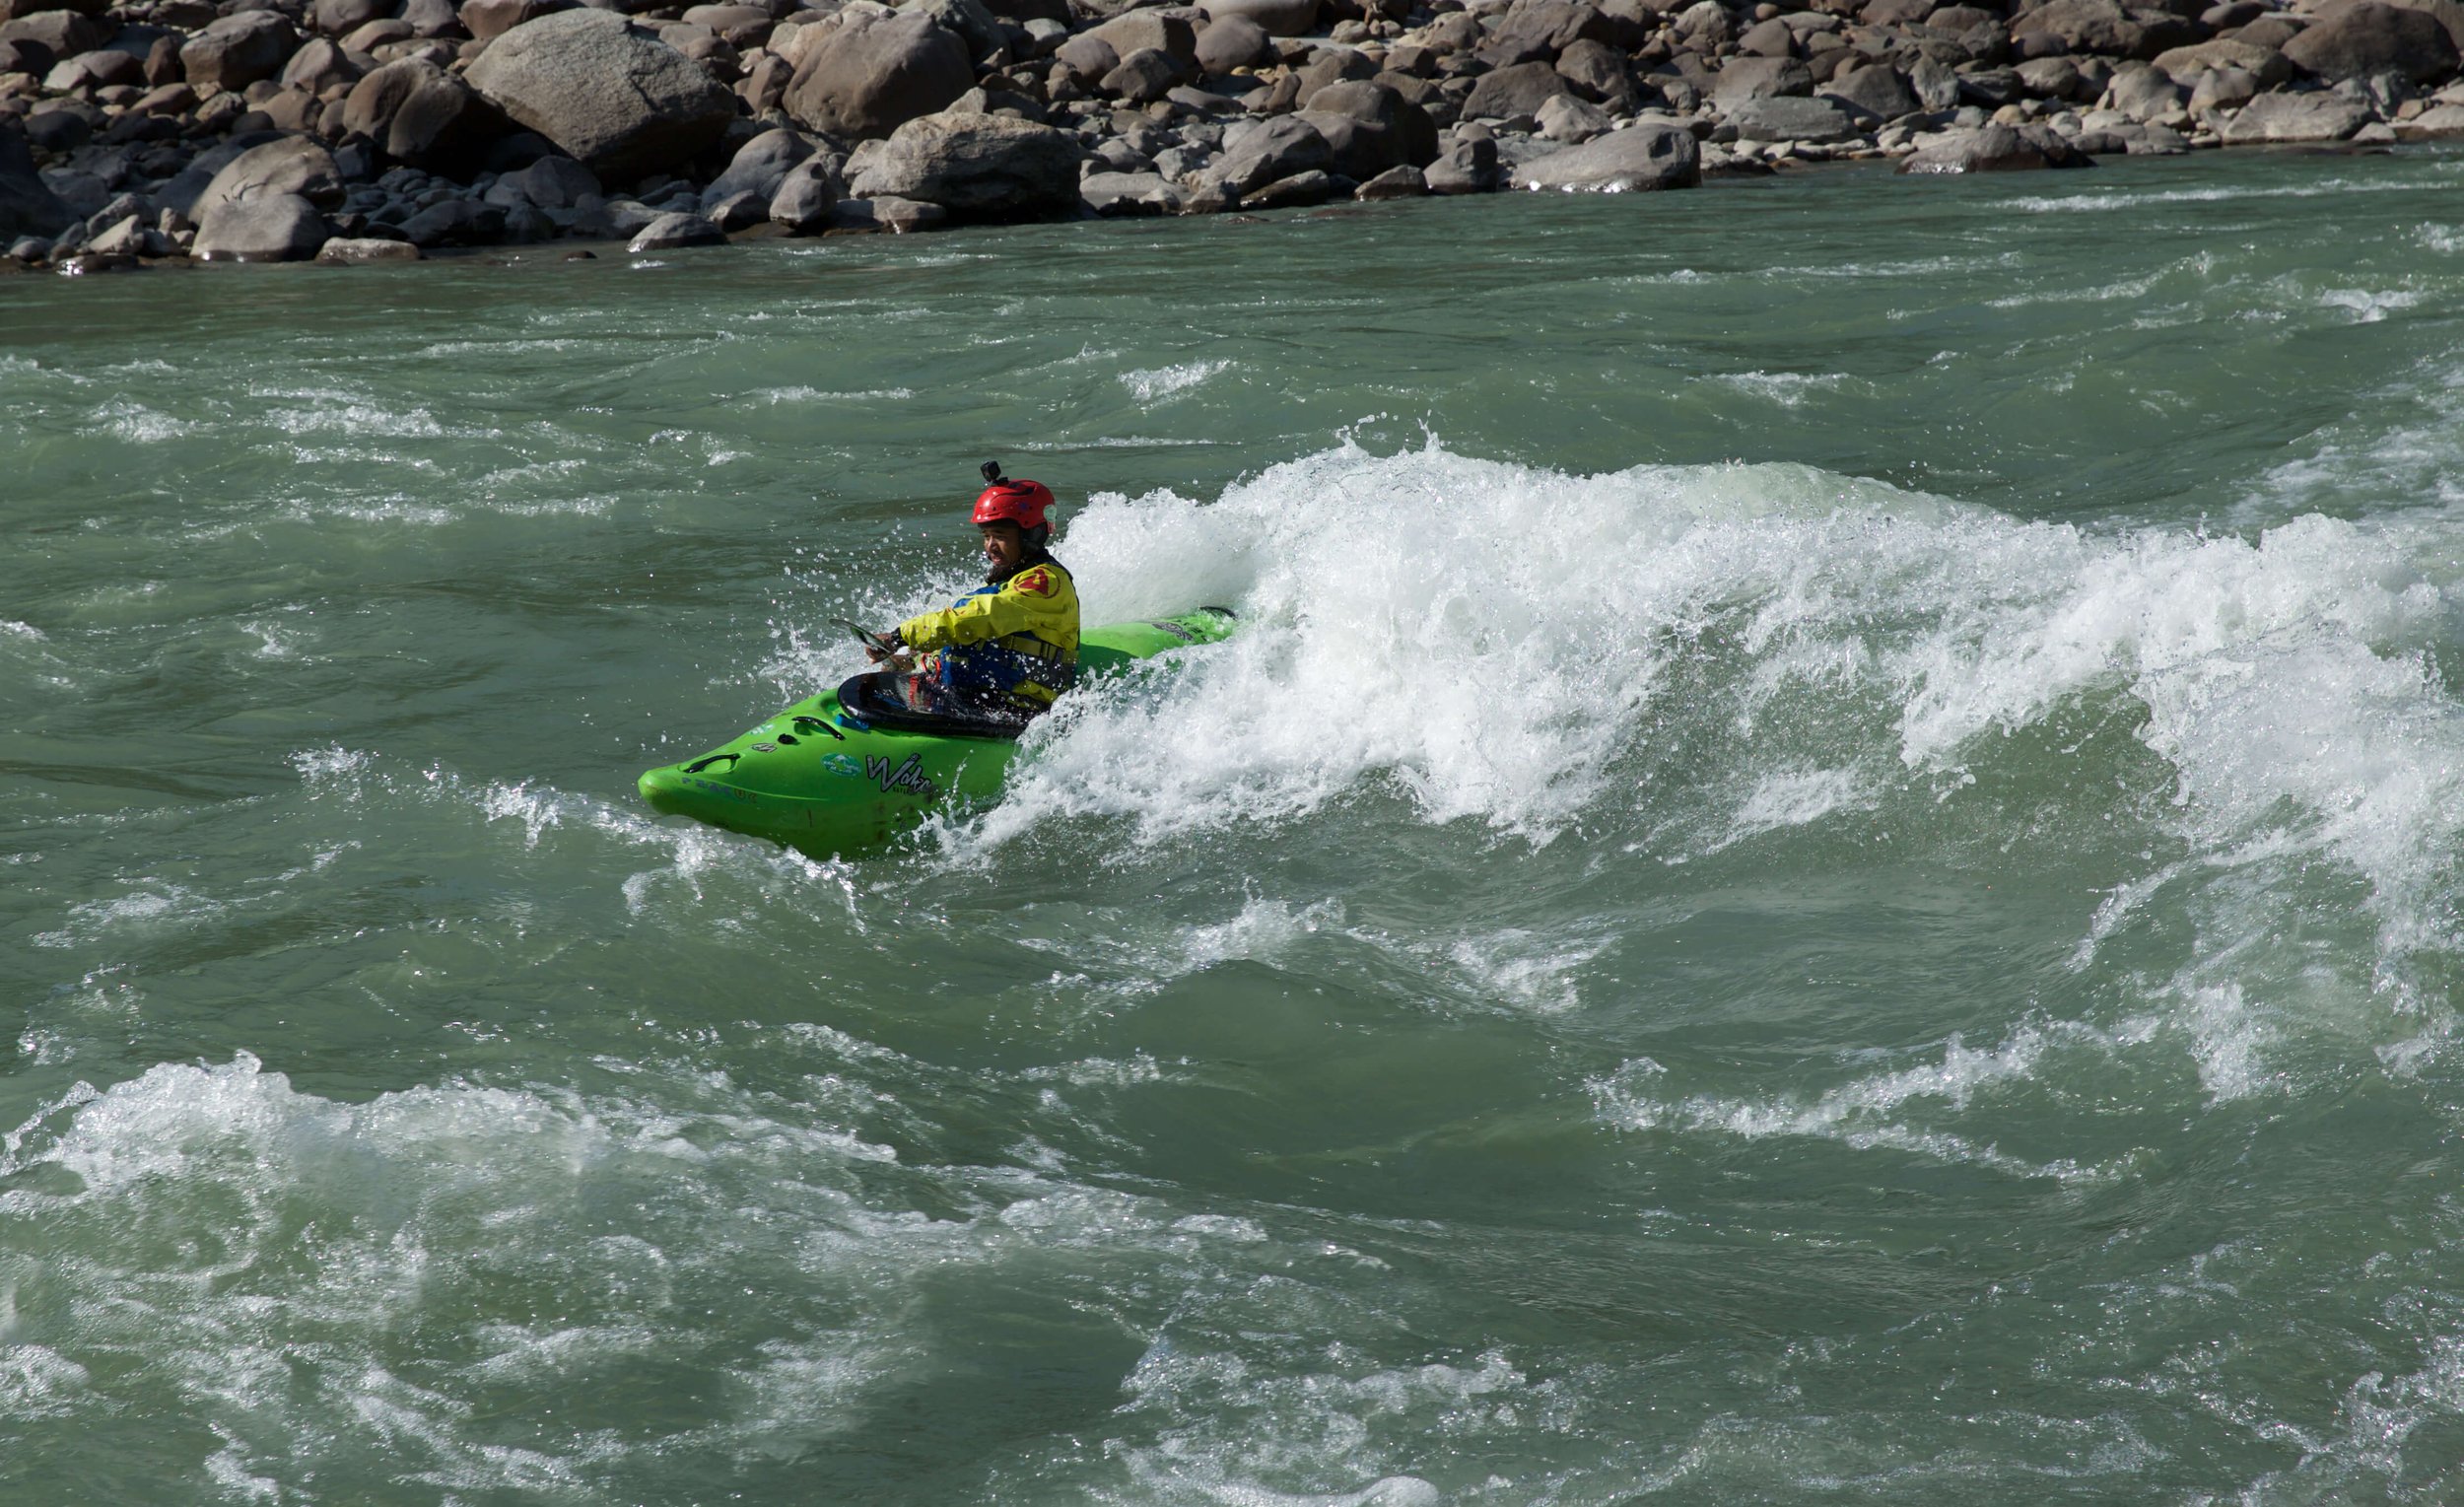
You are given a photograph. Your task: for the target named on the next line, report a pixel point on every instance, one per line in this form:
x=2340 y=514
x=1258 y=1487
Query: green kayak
x=850 y=768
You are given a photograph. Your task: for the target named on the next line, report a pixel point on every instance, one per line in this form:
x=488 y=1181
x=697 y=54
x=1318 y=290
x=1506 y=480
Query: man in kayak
x=1008 y=647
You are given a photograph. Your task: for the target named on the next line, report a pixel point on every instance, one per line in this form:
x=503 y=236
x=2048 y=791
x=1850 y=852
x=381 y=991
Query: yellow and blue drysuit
x=1016 y=640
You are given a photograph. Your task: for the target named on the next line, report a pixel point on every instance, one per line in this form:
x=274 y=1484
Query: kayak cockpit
x=887 y=699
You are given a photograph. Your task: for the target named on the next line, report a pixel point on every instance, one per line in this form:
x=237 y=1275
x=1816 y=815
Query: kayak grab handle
x=808 y=725
x=698 y=765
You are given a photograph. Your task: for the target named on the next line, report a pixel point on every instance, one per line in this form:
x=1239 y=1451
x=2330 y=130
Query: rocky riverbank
x=355 y=130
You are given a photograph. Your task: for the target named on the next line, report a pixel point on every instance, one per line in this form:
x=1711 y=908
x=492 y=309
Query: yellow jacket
x=1018 y=639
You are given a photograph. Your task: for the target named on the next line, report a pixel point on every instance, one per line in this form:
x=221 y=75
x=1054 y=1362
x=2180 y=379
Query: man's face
x=1004 y=545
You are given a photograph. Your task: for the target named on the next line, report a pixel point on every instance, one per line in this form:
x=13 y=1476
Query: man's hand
x=895 y=655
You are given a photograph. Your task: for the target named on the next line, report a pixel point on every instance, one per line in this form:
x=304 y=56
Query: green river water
x=1826 y=870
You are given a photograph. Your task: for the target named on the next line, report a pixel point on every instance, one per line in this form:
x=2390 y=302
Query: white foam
x=1150 y=386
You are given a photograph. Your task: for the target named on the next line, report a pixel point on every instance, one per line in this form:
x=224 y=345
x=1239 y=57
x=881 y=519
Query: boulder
x=2143 y=93
x=340 y=18
x=2283 y=117
x=1876 y=94
x=1520 y=89
x=974 y=24
x=1088 y=57
x=1994 y=149
x=287 y=166
x=551 y=183
x=441 y=124
x=1636 y=160
x=867 y=76
x=239 y=49
x=319 y=66
x=1760 y=78
x=488 y=20
x=2360 y=41
x=1235 y=42
x=1143 y=77
x=2440 y=120
x=1404 y=182
x=977 y=166
x=2083 y=27
x=805 y=197
x=62 y=33
x=265 y=227
x=1116 y=194
x=1294 y=192
x=342 y=252
x=457 y=223
x=898 y=216
x=28 y=206
x=1468 y=166
x=2221 y=88
x=1260 y=152
x=1787 y=119
x=1164 y=31
x=759 y=167
x=2183 y=65
x=1569 y=119
x=1597 y=71
x=1278 y=18
x=611 y=96
x=1536 y=30
x=1768 y=38
x=1410 y=135
x=670 y=232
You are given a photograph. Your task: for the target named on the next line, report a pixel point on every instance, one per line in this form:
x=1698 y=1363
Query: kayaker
x=1010 y=646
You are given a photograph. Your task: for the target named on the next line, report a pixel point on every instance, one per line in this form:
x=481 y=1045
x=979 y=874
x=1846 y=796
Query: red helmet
x=1015 y=502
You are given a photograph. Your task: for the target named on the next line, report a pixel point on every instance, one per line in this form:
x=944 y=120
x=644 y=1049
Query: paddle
x=869 y=639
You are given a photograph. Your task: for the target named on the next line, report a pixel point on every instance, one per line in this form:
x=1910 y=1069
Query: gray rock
x=1115 y=194
x=287 y=164
x=1260 y=152
x=1520 y=89
x=1142 y=77
x=1597 y=71
x=1787 y=119
x=239 y=49
x=62 y=33
x=2143 y=93
x=1369 y=127
x=1876 y=94
x=610 y=94
x=29 y=251
x=265 y=227
x=975 y=23
x=1278 y=18
x=345 y=252
x=1993 y=149
x=867 y=77
x=2283 y=117
x=2083 y=27
x=1636 y=160
x=339 y=17
x=455 y=223
x=759 y=167
x=2358 y=41
x=2221 y=88
x=27 y=204
x=976 y=166
x=888 y=213
x=1298 y=190
x=1468 y=166
x=2052 y=78
x=1746 y=78
x=1536 y=30
x=1404 y=182
x=1571 y=120
x=806 y=196
x=738 y=212
x=488 y=20
x=1235 y=42
x=671 y=231
x=551 y=183
x=1166 y=32
x=2184 y=65
x=441 y=124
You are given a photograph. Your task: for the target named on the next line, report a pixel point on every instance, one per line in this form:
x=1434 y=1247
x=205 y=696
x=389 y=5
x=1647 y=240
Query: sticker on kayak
x=716 y=788
x=907 y=776
x=1176 y=630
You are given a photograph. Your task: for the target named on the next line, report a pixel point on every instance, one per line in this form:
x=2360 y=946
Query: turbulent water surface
x=1826 y=870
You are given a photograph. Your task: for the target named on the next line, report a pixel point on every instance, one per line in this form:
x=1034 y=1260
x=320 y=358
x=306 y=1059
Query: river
x=1826 y=870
